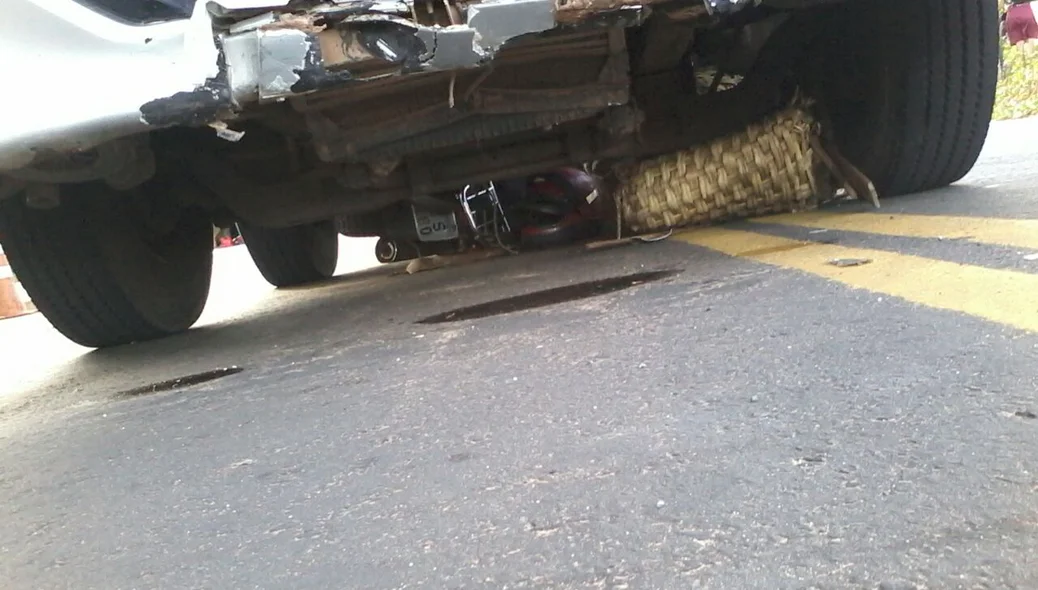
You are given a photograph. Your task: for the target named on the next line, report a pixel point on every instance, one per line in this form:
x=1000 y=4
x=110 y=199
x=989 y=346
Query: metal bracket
x=483 y=210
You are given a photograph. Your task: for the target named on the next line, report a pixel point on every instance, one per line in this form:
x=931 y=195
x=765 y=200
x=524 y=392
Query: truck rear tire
x=101 y=273
x=909 y=86
x=292 y=256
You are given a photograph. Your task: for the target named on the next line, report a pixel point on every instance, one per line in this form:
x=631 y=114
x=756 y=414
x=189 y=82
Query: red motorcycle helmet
x=558 y=209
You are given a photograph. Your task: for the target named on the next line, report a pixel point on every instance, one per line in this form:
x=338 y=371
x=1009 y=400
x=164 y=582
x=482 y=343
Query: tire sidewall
x=166 y=278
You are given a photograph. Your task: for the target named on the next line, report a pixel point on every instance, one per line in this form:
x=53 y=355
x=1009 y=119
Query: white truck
x=140 y=124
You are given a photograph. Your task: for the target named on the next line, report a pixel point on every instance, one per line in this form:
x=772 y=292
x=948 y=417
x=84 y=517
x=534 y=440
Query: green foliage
x=1018 y=87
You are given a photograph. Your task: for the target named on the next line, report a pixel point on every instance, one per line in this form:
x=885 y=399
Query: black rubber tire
x=292 y=256
x=96 y=272
x=909 y=86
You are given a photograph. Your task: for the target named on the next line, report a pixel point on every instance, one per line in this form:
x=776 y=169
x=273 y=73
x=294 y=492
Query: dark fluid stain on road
x=181 y=382
x=548 y=297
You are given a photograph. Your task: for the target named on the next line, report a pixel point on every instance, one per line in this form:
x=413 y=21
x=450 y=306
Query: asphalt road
x=760 y=419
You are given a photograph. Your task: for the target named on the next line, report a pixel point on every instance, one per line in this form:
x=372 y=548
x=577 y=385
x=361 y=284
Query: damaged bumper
x=92 y=79
x=276 y=55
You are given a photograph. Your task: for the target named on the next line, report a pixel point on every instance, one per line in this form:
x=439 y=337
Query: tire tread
x=286 y=257
x=59 y=261
x=940 y=75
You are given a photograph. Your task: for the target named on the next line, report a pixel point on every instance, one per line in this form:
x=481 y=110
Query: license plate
x=434 y=227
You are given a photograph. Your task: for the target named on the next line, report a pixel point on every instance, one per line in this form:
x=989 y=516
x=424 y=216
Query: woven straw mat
x=767 y=168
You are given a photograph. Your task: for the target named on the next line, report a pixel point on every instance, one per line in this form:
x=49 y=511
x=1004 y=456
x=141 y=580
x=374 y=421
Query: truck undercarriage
x=350 y=106
x=573 y=95
x=324 y=114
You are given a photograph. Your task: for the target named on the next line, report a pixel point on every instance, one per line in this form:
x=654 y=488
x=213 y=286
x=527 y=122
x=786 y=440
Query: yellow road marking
x=1019 y=233
x=1002 y=296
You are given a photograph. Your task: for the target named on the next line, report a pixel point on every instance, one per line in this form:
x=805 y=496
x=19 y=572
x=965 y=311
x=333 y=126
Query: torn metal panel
x=273 y=63
x=495 y=23
x=269 y=65
x=283 y=54
x=490 y=25
x=241 y=53
x=390 y=39
x=251 y=24
x=454 y=48
x=312 y=75
x=342 y=8
x=208 y=102
x=362 y=53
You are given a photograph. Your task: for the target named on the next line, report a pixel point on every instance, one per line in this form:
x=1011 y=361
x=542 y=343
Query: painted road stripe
x=1018 y=233
x=1002 y=296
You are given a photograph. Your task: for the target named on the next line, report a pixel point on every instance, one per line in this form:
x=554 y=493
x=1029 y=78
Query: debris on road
x=443 y=260
x=642 y=238
x=846 y=262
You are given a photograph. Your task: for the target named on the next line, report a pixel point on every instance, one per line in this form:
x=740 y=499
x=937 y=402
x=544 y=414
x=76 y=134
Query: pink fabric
x=1020 y=23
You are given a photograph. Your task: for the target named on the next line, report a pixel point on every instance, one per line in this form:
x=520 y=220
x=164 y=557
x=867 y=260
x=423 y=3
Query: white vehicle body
x=130 y=127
